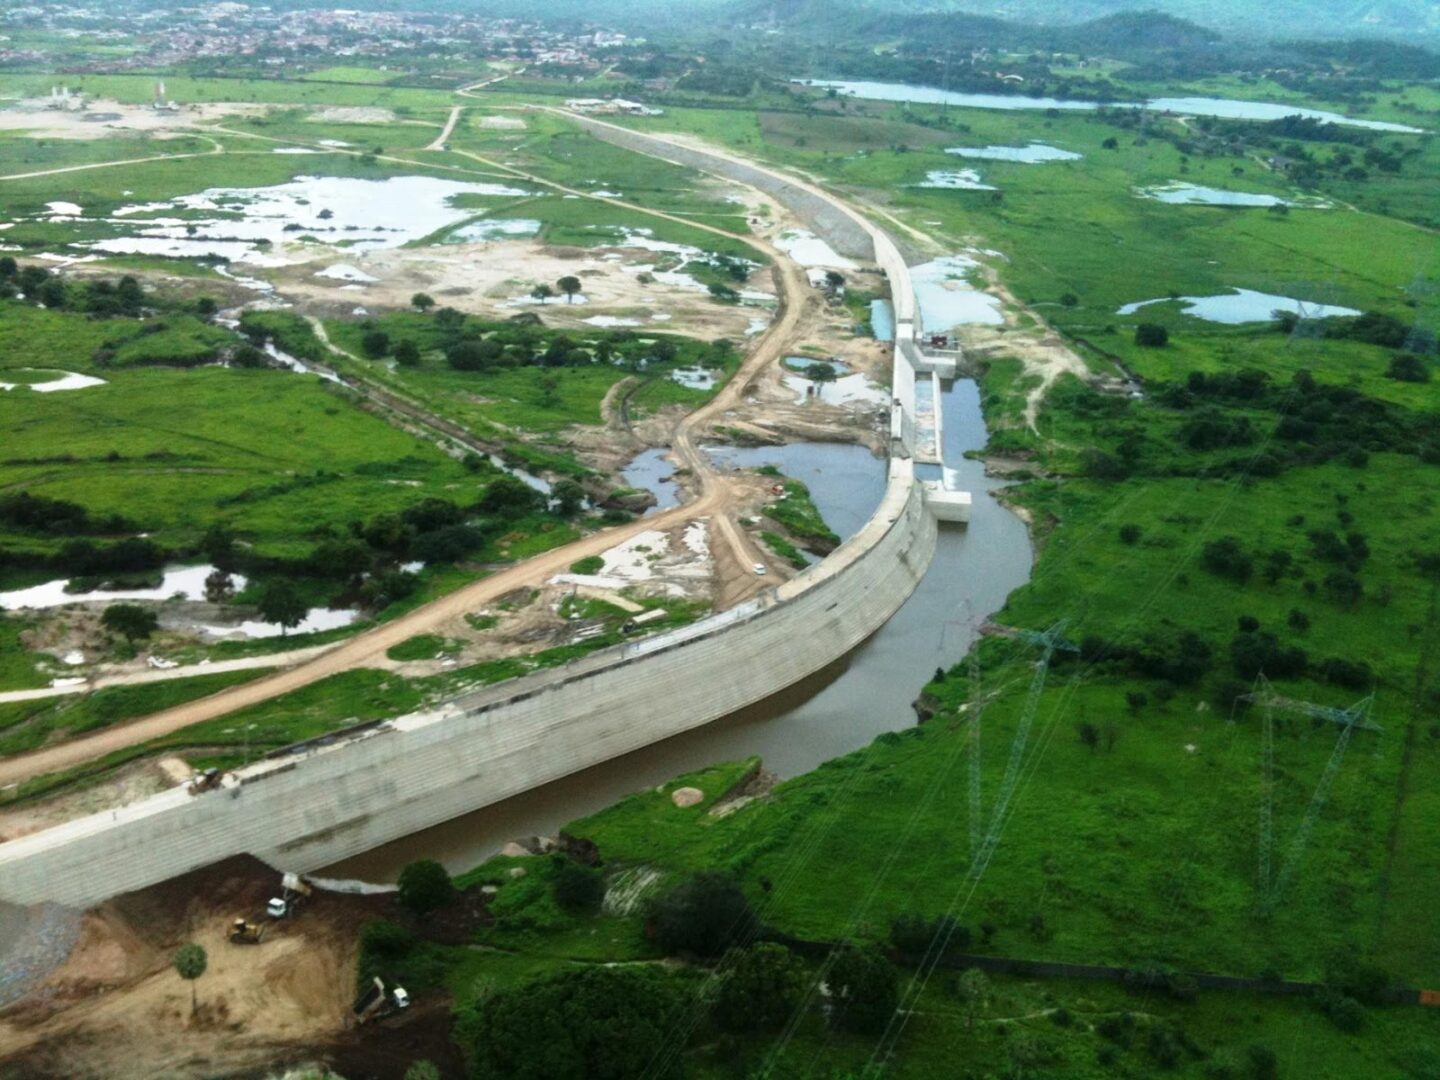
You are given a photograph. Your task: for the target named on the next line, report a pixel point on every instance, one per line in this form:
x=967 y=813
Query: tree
x=834 y=280
x=1228 y=558
x=1136 y=699
x=425 y=886
x=1152 y=335
x=591 y=1023
x=1407 y=367
x=131 y=621
x=1088 y=734
x=569 y=497
x=703 y=916
x=407 y=354
x=281 y=603
x=542 y=293
x=863 y=989
x=376 y=343
x=577 y=889
x=424 y=1069
x=1112 y=143
x=190 y=963
x=765 y=985
x=569 y=285
x=820 y=374
x=422 y=301
x=511 y=496
x=8 y=267
x=1130 y=534
x=973 y=988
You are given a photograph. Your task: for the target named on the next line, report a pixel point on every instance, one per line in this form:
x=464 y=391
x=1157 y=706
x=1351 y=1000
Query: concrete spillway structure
x=354 y=791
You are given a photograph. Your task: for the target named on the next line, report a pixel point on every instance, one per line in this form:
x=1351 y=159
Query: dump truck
x=244 y=932
x=375 y=1002
x=294 y=891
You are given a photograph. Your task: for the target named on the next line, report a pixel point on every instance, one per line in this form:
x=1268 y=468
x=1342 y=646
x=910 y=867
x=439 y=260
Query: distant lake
x=1225 y=108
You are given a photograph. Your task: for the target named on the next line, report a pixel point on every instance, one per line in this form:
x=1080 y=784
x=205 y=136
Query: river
x=833 y=712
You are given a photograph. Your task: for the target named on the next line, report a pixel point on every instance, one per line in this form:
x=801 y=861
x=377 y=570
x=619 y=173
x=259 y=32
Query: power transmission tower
x=1355 y=717
x=1050 y=640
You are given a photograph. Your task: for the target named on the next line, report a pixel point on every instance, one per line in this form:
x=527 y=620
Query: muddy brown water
x=840 y=708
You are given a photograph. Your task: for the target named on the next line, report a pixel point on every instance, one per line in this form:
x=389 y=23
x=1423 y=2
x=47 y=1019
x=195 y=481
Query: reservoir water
x=835 y=711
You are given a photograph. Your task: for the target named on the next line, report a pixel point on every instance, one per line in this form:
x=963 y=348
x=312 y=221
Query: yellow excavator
x=243 y=932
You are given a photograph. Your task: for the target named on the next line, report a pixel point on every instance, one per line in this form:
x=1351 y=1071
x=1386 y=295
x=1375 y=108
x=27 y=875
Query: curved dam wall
x=338 y=797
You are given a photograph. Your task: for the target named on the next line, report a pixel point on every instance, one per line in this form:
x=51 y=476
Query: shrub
x=703 y=916
x=764 y=986
x=1152 y=335
x=577 y=889
x=1130 y=534
x=1228 y=558
x=1407 y=367
x=863 y=988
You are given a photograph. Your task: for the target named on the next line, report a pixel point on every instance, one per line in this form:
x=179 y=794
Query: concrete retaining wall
x=333 y=801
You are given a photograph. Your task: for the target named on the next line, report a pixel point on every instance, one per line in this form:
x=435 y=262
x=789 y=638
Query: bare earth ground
x=116 y=1008
x=486 y=278
x=104 y=119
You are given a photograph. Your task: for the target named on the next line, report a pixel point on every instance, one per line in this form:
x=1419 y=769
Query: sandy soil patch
x=352 y=114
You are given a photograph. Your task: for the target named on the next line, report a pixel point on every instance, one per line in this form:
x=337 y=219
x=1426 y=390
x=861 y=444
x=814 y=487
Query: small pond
x=1241 y=306
x=1032 y=154
x=1182 y=194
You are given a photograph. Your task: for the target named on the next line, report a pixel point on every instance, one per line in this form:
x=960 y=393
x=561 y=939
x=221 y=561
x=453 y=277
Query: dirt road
x=444 y=136
x=713 y=498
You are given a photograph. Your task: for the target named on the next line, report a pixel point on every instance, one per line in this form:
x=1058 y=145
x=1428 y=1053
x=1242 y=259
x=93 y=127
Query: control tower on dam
x=315 y=804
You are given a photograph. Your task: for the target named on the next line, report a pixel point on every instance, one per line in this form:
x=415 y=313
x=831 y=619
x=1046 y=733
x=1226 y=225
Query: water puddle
x=695 y=378
x=58 y=380
x=315 y=621
x=1031 y=154
x=954 y=180
x=1182 y=194
x=947 y=299
x=179 y=582
x=492 y=229
x=882 y=320
x=651 y=471
x=1241 y=306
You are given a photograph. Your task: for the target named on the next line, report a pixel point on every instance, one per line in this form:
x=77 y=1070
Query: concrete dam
x=343 y=795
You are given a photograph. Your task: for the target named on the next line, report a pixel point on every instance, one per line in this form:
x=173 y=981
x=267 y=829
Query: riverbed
x=835 y=711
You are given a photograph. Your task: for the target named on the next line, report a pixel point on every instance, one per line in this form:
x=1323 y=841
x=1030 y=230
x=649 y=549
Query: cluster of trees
x=616 y=1022
x=42 y=515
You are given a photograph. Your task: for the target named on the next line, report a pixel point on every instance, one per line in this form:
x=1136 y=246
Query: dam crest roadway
x=334 y=798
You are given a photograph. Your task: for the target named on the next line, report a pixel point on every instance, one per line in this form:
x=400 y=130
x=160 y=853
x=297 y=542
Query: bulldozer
x=243 y=932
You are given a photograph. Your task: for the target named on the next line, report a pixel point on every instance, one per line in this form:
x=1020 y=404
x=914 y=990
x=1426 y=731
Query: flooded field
x=243 y=224
x=955 y=180
x=838 y=709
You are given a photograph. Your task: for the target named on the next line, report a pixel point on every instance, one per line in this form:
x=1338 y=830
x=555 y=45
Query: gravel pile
x=33 y=942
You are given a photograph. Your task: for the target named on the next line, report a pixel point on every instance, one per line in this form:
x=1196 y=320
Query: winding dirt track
x=714 y=496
